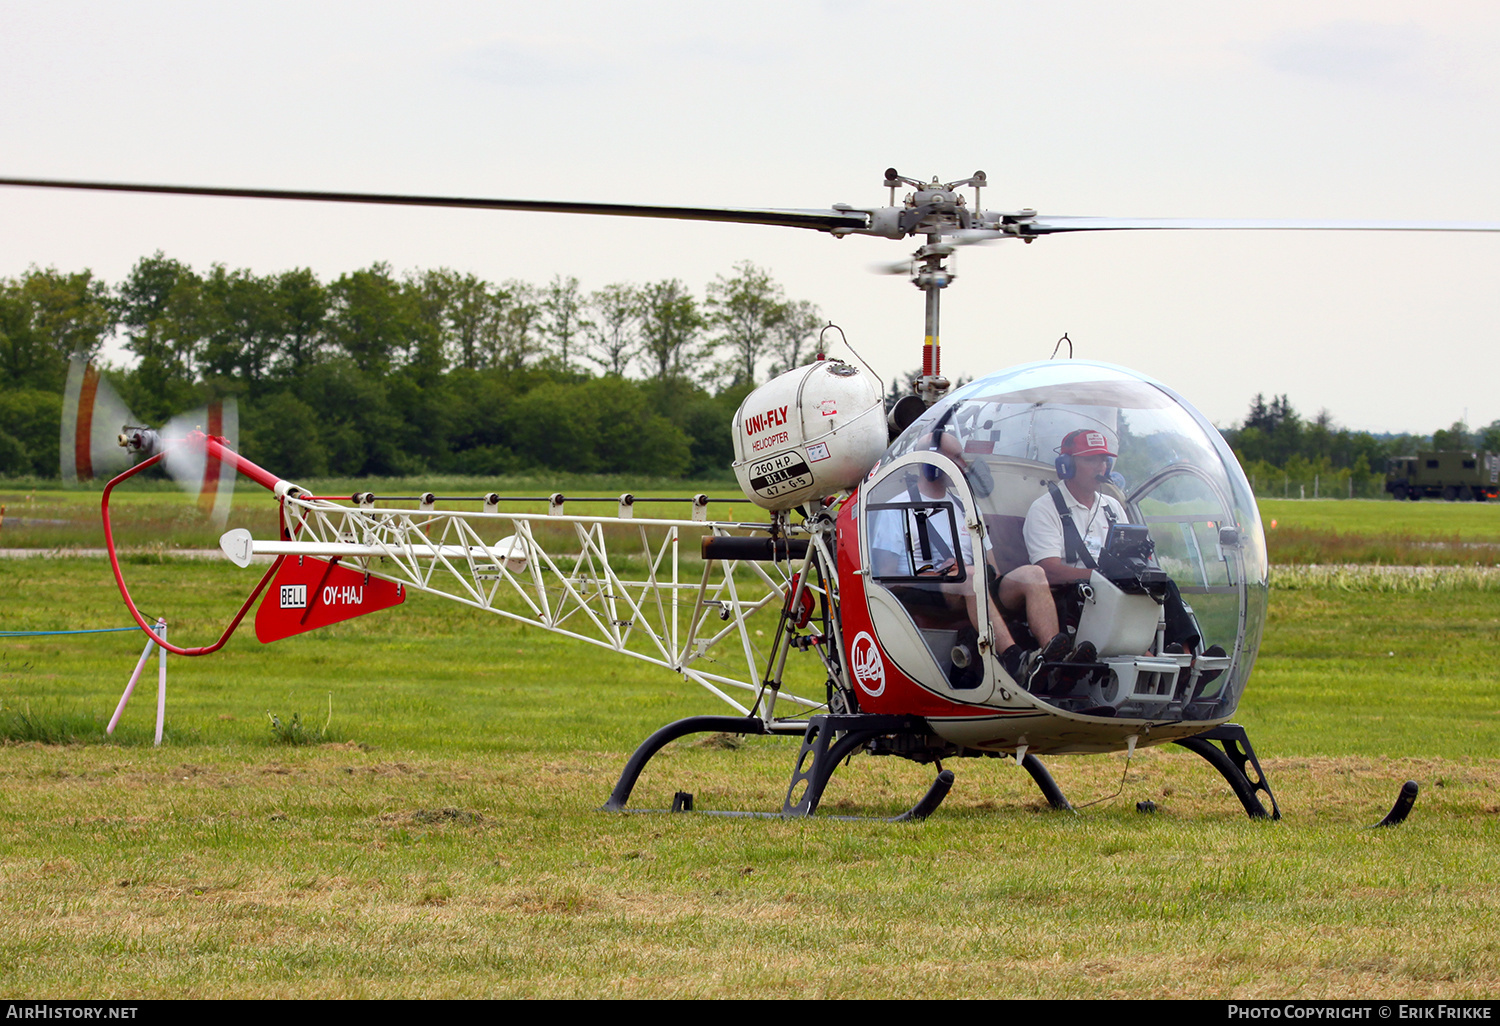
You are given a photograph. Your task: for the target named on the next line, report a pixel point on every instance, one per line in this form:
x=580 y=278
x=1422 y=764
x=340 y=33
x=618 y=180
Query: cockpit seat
x=1008 y=547
x=1007 y=541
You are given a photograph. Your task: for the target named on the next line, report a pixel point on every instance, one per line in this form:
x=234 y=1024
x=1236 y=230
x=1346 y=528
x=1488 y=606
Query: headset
x=1067 y=466
x=978 y=474
x=930 y=472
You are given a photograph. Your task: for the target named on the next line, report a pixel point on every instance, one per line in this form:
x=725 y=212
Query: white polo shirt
x=1044 y=529
x=887 y=534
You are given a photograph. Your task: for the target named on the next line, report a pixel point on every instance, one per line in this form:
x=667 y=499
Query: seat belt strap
x=1074 y=549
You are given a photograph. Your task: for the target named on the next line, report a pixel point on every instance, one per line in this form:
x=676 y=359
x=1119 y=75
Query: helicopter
x=907 y=641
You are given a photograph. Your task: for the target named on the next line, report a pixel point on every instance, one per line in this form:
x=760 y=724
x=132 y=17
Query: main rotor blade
x=1056 y=225
x=820 y=220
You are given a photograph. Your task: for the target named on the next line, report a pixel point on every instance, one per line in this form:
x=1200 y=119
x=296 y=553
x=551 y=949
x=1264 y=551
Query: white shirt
x=887 y=534
x=1044 y=529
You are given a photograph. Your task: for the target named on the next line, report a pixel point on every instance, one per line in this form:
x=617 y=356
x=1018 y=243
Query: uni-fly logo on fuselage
x=764 y=421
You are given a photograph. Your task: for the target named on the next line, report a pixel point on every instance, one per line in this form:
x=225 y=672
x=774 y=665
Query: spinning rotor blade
x=92 y=417
x=821 y=220
x=1058 y=224
x=1029 y=225
x=206 y=477
x=95 y=417
x=937 y=217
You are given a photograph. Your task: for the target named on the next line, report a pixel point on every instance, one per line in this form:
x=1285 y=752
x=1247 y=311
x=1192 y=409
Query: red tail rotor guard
x=216 y=448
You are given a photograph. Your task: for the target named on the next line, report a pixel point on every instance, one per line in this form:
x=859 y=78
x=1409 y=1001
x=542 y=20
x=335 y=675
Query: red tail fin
x=309 y=593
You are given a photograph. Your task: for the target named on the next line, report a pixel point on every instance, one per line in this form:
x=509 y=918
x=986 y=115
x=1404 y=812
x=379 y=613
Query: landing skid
x=823 y=742
x=827 y=741
x=1230 y=760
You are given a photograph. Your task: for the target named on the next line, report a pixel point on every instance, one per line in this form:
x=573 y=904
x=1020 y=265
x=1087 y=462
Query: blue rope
x=33 y=634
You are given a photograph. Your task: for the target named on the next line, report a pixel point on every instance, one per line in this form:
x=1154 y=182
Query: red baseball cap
x=1085 y=442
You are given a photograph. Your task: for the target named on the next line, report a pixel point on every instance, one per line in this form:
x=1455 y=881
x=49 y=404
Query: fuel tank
x=810 y=432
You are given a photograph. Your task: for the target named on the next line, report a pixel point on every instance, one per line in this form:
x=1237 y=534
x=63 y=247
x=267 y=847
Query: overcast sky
x=1377 y=110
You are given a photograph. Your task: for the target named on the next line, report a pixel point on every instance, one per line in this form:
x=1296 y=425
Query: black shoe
x=1209 y=676
x=1084 y=653
x=1011 y=660
x=1056 y=648
x=1053 y=651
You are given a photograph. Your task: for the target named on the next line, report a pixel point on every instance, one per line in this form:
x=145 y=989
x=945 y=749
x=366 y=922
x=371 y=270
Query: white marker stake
x=130 y=688
x=161 y=683
x=146 y=654
x=139 y=666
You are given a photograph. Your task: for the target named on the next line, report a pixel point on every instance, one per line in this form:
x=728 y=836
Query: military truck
x=1447 y=475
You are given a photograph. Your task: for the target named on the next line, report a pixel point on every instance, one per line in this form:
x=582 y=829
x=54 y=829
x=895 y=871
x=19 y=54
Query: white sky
x=1370 y=109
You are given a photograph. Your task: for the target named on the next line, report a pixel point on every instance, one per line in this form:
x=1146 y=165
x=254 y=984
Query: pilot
x=1069 y=551
x=1023 y=588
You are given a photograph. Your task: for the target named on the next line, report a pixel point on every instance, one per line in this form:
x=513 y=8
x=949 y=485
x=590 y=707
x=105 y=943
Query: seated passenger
x=934 y=554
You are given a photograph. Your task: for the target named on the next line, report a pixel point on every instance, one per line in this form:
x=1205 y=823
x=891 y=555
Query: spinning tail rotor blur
x=100 y=437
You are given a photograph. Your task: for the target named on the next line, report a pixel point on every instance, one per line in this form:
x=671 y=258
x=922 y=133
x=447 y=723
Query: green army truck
x=1447 y=475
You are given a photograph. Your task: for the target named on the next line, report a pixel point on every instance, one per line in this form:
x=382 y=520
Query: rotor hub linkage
x=932 y=209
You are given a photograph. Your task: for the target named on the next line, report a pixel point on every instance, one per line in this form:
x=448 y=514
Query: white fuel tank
x=810 y=432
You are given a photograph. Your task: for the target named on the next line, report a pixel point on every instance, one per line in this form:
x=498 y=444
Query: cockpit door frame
x=894 y=622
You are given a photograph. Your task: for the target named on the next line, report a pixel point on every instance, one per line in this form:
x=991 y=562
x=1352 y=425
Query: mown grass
x=449 y=843
x=1384 y=532
x=1301 y=545
x=155 y=515
x=1466 y=521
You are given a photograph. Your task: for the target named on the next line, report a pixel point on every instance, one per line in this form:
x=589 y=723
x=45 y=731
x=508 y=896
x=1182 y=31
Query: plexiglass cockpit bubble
x=1170 y=481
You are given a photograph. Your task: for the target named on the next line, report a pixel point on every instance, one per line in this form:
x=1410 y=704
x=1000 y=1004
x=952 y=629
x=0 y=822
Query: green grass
x=153 y=515
x=448 y=842
x=1468 y=521
x=1390 y=533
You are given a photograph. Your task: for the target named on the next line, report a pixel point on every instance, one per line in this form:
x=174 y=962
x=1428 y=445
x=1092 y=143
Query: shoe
x=1056 y=648
x=1084 y=653
x=1011 y=661
x=1175 y=648
x=1209 y=676
x=1052 y=652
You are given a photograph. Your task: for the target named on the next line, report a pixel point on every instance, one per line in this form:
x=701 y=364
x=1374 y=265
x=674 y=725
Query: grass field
x=1376 y=531
x=152 y=515
x=442 y=838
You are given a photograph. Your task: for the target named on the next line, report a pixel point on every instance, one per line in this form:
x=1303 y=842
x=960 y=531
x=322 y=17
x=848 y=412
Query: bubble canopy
x=1172 y=472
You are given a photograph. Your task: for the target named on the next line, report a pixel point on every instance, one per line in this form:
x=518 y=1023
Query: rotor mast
x=934 y=209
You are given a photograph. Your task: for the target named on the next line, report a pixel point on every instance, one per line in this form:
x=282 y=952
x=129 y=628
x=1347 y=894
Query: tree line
x=375 y=373
x=1286 y=454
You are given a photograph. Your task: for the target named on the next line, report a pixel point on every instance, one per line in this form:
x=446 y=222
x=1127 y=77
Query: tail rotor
x=100 y=437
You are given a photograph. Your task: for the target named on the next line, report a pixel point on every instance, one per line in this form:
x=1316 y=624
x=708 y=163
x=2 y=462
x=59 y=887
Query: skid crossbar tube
x=665 y=736
x=1404 y=801
x=815 y=732
x=1043 y=778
